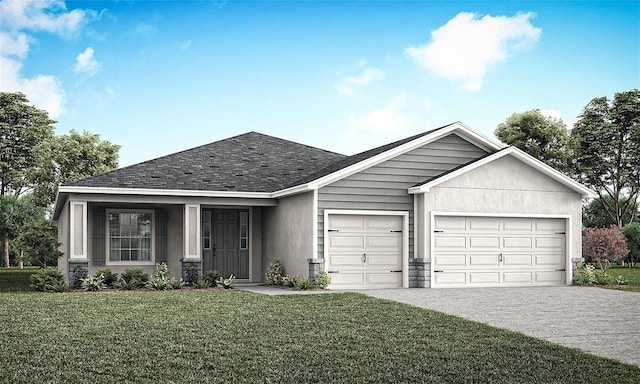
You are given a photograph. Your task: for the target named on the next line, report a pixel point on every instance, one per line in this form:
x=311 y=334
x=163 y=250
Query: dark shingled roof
x=251 y=162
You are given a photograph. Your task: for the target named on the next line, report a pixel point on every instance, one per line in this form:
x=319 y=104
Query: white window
x=130 y=236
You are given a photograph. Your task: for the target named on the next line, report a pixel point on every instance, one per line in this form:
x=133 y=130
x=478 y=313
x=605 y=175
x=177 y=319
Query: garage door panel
x=499 y=251
x=451 y=242
x=346 y=242
x=517 y=260
x=549 y=242
x=517 y=242
x=549 y=259
x=517 y=224
x=484 y=277
x=450 y=223
x=380 y=280
x=383 y=223
x=346 y=260
x=346 y=222
x=479 y=260
x=450 y=278
x=459 y=260
x=484 y=242
x=386 y=260
x=347 y=279
x=549 y=277
x=391 y=241
x=484 y=224
x=517 y=277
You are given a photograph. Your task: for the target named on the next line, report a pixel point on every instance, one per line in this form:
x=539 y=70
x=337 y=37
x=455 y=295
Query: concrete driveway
x=601 y=321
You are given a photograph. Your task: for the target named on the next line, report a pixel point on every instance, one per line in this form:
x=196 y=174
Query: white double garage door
x=366 y=251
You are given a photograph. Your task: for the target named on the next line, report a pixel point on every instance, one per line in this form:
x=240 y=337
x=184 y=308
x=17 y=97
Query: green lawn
x=631 y=278
x=233 y=336
x=14 y=279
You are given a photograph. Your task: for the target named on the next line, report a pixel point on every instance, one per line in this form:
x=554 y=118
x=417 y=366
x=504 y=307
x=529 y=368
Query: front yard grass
x=240 y=337
x=631 y=277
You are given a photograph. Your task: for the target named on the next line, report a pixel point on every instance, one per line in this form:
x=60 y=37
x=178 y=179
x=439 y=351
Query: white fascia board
x=585 y=192
x=457 y=128
x=164 y=192
x=291 y=191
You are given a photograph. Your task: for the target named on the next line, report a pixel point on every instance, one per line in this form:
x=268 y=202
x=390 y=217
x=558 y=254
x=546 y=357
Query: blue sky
x=157 y=77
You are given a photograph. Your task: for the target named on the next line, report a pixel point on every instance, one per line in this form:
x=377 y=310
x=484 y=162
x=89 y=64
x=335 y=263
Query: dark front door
x=225 y=242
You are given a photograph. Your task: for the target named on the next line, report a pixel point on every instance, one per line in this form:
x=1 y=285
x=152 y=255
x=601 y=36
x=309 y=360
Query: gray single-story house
x=445 y=208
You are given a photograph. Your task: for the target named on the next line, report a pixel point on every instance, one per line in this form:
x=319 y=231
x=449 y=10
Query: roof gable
x=251 y=162
x=509 y=151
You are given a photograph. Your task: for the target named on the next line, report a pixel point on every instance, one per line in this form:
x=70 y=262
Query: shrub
x=289 y=281
x=304 y=284
x=77 y=275
x=632 y=233
x=93 y=283
x=192 y=273
x=47 y=280
x=129 y=285
x=322 y=280
x=274 y=273
x=226 y=283
x=586 y=274
x=135 y=273
x=176 y=283
x=160 y=278
x=604 y=245
x=201 y=284
x=603 y=278
x=110 y=278
x=212 y=277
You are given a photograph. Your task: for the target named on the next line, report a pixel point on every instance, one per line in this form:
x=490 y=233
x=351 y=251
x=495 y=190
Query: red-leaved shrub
x=604 y=245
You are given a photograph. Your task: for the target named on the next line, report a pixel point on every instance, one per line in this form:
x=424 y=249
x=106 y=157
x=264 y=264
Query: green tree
x=15 y=214
x=632 y=233
x=594 y=214
x=607 y=152
x=39 y=242
x=544 y=138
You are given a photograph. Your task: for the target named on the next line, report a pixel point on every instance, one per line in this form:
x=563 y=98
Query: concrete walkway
x=601 y=321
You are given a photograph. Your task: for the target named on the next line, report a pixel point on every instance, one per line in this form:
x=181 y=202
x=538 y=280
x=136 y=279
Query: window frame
x=108 y=261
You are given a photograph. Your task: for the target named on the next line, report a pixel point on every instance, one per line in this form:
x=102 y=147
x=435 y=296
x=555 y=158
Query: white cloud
x=17 y=18
x=45 y=15
x=348 y=84
x=381 y=120
x=556 y=114
x=466 y=47
x=86 y=62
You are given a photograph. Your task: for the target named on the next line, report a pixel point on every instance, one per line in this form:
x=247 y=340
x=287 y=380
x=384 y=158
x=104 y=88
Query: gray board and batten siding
x=383 y=187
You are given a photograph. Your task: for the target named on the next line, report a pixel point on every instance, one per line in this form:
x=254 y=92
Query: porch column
x=78 y=256
x=192 y=231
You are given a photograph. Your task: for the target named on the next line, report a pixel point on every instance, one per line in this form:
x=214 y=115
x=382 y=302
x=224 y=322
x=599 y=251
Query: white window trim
x=153 y=238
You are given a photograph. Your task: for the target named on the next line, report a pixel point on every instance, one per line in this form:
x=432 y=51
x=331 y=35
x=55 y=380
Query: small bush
x=77 y=275
x=135 y=273
x=604 y=246
x=47 y=280
x=586 y=274
x=192 y=274
x=110 y=278
x=176 y=283
x=212 y=277
x=202 y=283
x=160 y=278
x=304 y=284
x=603 y=278
x=93 y=283
x=125 y=285
x=322 y=280
x=227 y=283
x=274 y=273
x=289 y=281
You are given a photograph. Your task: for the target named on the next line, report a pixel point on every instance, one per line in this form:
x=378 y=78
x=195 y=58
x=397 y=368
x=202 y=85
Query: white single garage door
x=498 y=251
x=364 y=251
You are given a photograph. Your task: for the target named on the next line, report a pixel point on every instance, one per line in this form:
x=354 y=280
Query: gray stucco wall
x=384 y=186
x=288 y=233
x=505 y=186
x=63 y=239
x=256 y=244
